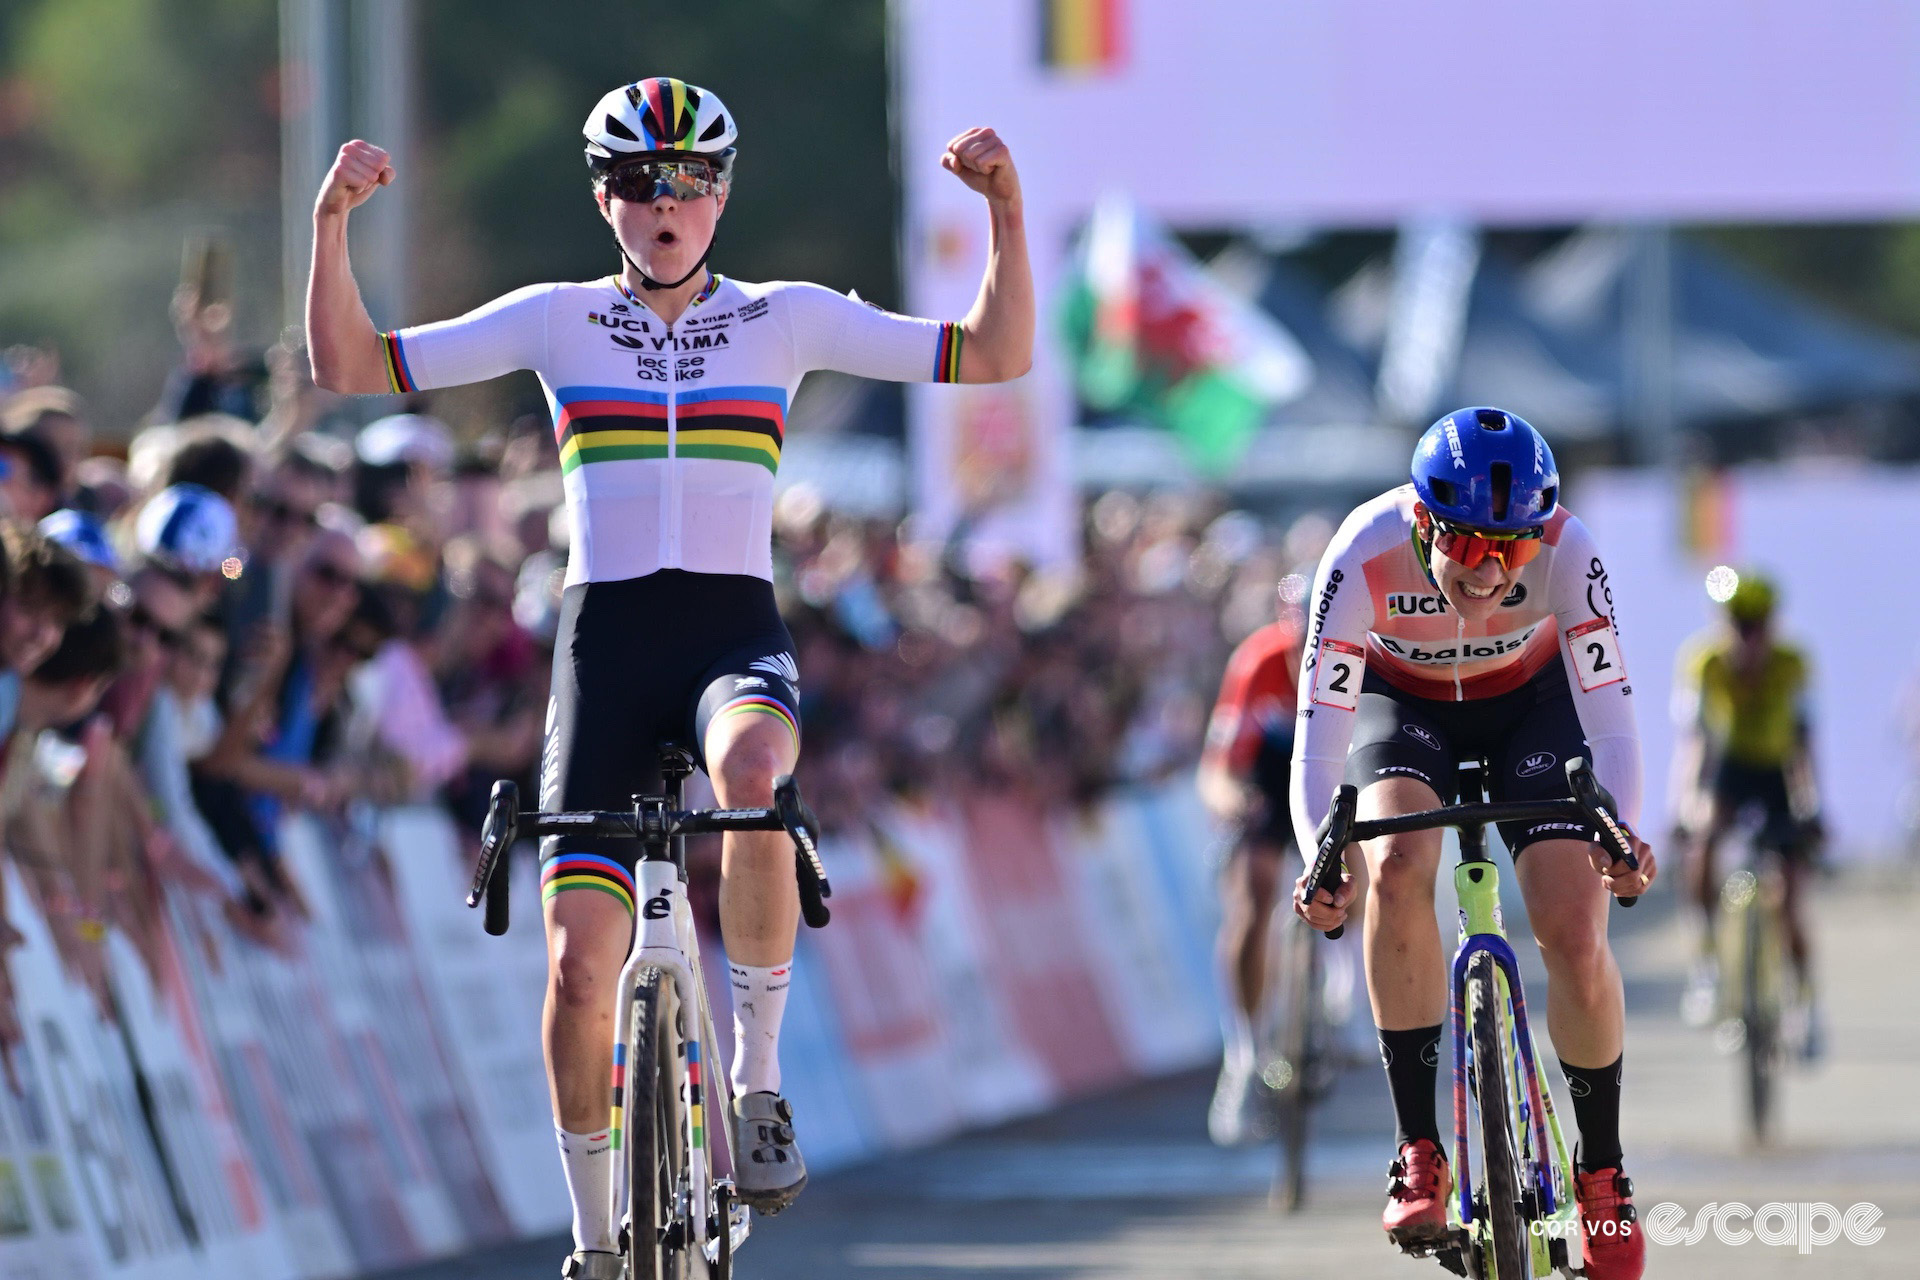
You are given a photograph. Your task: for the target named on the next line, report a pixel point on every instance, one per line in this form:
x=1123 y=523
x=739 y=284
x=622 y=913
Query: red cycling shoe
x=1610 y=1241
x=1417 y=1194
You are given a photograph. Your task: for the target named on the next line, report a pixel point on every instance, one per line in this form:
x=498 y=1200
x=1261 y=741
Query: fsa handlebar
x=654 y=824
x=1589 y=805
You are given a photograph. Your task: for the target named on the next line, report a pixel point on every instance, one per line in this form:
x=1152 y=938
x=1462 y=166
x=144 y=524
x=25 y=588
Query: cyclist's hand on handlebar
x=357 y=171
x=1620 y=882
x=1317 y=908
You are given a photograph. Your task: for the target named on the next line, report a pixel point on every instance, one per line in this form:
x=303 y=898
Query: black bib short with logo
x=649 y=660
x=1526 y=735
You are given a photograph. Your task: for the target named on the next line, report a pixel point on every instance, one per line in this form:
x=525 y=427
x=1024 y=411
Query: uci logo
x=1536 y=764
x=1421 y=736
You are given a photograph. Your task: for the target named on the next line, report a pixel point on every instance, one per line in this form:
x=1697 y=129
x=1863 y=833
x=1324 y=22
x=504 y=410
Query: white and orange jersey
x=1375 y=610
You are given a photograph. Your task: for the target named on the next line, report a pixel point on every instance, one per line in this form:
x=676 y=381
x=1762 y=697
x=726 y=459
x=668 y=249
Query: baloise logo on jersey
x=1463 y=651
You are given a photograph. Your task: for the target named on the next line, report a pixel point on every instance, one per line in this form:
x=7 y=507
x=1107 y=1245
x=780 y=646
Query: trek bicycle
x=1518 y=1220
x=673 y=1186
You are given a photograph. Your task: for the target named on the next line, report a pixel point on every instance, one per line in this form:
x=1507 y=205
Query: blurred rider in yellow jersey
x=1745 y=743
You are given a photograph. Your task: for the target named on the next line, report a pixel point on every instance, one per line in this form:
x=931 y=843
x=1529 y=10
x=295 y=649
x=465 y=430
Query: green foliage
x=507 y=89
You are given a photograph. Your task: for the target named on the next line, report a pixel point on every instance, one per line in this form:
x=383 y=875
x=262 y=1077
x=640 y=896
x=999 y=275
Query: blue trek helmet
x=1486 y=468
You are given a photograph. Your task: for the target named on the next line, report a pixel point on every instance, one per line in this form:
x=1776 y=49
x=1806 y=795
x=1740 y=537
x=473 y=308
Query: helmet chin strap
x=648 y=283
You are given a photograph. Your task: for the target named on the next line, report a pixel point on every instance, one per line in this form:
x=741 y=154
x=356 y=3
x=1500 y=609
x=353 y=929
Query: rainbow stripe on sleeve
x=946 y=354
x=399 y=376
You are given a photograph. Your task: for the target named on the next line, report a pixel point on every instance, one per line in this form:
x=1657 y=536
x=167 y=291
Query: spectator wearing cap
x=190 y=531
x=57 y=417
x=398 y=461
x=30 y=476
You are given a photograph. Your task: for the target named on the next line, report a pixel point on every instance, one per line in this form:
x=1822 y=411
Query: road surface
x=1127 y=1188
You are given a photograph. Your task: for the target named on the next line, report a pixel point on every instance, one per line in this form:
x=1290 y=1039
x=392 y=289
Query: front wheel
x=1500 y=1167
x=658 y=1244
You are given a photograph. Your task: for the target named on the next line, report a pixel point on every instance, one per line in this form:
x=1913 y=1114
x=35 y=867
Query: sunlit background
x=1272 y=242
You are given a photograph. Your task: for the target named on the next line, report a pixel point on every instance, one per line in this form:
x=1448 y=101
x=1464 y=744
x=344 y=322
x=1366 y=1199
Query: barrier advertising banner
x=374 y=1095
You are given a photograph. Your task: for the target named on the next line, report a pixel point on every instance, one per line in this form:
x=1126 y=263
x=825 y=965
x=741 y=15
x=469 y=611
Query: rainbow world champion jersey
x=670 y=434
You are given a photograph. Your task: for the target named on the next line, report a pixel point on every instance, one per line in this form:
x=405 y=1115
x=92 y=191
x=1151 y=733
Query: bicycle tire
x=1499 y=1163
x=657 y=1247
x=1761 y=1023
x=1301 y=1045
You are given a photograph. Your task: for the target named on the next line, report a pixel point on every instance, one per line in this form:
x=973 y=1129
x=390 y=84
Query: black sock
x=1596 y=1109
x=1412 y=1060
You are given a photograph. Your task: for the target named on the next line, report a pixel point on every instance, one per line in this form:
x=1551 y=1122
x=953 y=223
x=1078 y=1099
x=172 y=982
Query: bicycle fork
x=664 y=918
x=1477 y=886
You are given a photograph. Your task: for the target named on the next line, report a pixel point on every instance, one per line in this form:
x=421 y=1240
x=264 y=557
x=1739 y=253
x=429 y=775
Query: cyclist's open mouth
x=664 y=237
x=1477 y=592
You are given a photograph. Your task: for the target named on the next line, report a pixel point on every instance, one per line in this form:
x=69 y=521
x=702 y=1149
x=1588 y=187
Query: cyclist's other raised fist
x=357 y=170
x=979 y=159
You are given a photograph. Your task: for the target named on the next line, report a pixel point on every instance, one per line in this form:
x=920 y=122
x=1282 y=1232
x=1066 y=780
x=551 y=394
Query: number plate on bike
x=1596 y=654
x=1336 y=676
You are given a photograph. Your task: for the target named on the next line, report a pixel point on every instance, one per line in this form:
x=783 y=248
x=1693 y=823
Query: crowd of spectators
x=254 y=606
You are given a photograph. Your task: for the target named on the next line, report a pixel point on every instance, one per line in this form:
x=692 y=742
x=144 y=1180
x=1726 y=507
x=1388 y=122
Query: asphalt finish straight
x=1126 y=1187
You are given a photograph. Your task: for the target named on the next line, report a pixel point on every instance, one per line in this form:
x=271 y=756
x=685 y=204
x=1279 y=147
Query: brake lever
x=492 y=876
x=1333 y=843
x=1597 y=804
x=804 y=829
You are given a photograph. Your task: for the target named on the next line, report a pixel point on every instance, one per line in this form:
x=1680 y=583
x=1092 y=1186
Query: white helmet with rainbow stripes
x=659 y=116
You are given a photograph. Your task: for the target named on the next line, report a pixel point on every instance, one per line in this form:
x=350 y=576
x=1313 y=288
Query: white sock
x=759 y=1003
x=588 y=1160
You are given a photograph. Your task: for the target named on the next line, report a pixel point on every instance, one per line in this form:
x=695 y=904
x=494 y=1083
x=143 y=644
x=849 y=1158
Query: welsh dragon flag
x=1150 y=331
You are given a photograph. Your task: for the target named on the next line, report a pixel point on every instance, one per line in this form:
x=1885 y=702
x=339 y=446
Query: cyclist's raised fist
x=357 y=170
x=979 y=159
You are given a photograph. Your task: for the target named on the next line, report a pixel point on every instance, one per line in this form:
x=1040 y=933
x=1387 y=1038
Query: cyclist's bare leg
x=1567 y=906
x=1406 y=969
x=1793 y=878
x=1703 y=884
x=759 y=899
x=1249 y=884
x=1407 y=984
x=759 y=915
x=588 y=936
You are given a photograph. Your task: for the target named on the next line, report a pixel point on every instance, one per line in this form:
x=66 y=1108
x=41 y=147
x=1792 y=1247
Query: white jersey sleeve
x=1582 y=601
x=1341 y=615
x=506 y=334
x=834 y=331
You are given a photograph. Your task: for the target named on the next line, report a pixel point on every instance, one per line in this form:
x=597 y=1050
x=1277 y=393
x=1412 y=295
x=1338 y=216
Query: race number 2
x=1596 y=654
x=1336 y=676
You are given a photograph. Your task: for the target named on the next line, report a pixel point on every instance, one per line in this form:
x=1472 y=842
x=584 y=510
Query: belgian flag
x=1083 y=35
